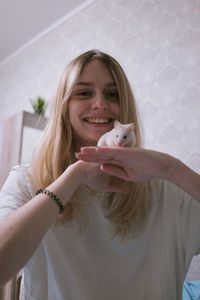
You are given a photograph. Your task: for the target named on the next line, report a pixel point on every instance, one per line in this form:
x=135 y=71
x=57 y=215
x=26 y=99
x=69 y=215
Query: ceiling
x=22 y=21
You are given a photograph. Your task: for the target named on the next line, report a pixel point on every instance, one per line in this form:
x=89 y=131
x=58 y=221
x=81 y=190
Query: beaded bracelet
x=53 y=196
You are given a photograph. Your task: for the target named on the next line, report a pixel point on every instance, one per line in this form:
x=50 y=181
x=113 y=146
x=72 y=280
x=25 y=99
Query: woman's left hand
x=131 y=164
x=136 y=164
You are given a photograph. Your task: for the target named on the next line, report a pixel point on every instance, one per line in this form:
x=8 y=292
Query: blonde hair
x=127 y=213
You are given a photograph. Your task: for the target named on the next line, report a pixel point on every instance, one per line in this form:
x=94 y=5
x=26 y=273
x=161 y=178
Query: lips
x=98 y=120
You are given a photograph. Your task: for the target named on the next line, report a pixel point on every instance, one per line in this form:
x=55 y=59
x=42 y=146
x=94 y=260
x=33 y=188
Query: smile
x=98 y=120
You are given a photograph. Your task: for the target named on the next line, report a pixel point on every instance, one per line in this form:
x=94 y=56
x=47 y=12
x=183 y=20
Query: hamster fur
x=121 y=135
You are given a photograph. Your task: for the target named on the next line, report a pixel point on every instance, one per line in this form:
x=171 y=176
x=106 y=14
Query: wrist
x=65 y=185
x=77 y=170
x=172 y=168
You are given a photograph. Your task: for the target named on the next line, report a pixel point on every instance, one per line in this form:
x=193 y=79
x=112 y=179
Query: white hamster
x=121 y=135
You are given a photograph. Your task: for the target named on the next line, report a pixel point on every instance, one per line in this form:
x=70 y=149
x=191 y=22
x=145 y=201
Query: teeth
x=98 y=121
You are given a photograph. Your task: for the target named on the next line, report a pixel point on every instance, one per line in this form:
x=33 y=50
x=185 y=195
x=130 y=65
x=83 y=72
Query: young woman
x=98 y=223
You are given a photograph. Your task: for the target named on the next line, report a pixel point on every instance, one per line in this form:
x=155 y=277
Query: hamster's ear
x=116 y=124
x=131 y=126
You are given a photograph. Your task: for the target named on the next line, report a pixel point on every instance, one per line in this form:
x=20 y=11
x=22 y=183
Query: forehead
x=96 y=70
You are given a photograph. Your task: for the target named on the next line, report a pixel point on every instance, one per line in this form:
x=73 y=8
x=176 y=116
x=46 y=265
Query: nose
x=99 y=102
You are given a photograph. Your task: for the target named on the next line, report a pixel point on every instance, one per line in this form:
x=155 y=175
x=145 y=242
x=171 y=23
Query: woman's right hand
x=96 y=179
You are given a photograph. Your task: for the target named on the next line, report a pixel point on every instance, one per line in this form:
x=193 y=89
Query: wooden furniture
x=11 y=154
x=13 y=139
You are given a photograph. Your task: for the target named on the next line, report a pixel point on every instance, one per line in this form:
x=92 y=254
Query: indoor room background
x=157 y=43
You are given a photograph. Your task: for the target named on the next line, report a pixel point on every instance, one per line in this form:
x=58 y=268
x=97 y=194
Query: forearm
x=185 y=178
x=22 y=231
x=136 y=164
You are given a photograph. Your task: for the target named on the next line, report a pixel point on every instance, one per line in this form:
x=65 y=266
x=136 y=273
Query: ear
x=116 y=124
x=131 y=126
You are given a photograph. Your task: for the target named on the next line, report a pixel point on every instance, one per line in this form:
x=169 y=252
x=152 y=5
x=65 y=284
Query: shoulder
x=18 y=176
x=17 y=189
x=178 y=214
x=163 y=189
x=173 y=199
x=19 y=170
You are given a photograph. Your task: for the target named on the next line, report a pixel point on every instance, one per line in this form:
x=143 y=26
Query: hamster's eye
x=125 y=136
x=117 y=135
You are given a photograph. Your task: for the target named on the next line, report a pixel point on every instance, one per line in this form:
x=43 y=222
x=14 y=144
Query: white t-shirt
x=94 y=266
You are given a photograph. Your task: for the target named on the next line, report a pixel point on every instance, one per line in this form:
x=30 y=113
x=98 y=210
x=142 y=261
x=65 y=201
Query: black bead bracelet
x=53 y=196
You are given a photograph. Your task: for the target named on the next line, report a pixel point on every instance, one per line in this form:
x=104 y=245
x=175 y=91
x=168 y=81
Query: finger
x=87 y=157
x=115 y=171
x=99 y=159
x=113 y=152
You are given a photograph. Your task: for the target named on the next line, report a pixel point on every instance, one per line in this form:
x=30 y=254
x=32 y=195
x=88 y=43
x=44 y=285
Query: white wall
x=157 y=42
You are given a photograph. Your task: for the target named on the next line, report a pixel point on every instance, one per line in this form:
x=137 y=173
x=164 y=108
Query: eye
x=85 y=94
x=112 y=95
x=125 y=136
x=117 y=136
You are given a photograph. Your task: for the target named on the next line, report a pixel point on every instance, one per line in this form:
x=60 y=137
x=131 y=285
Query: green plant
x=39 y=105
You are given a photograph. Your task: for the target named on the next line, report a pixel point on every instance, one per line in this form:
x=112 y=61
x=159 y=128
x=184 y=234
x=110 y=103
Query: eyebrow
x=85 y=83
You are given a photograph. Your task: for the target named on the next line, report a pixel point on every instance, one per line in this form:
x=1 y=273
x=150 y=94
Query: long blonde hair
x=127 y=213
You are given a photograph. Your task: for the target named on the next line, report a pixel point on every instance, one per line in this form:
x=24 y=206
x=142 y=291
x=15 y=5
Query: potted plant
x=39 y=105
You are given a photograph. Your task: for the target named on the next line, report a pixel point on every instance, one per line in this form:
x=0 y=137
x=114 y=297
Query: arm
x=136 y=164
x=187 y=180
x=22 y=231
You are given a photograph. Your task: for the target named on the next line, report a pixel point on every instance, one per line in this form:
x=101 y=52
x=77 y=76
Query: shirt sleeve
x=16 y=191
x=186 y=215
x=190 y=222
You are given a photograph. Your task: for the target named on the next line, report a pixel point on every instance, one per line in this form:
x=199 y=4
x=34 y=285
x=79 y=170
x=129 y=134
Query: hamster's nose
x=120 y=144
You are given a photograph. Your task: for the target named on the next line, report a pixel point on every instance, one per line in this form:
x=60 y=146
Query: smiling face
x=94 y=105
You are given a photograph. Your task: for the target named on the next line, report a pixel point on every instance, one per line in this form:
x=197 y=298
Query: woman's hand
x=98 y=180
x=136 y=164
x=131 y=164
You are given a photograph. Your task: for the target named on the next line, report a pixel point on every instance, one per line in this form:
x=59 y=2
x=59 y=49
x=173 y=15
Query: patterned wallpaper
x=158 y=44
